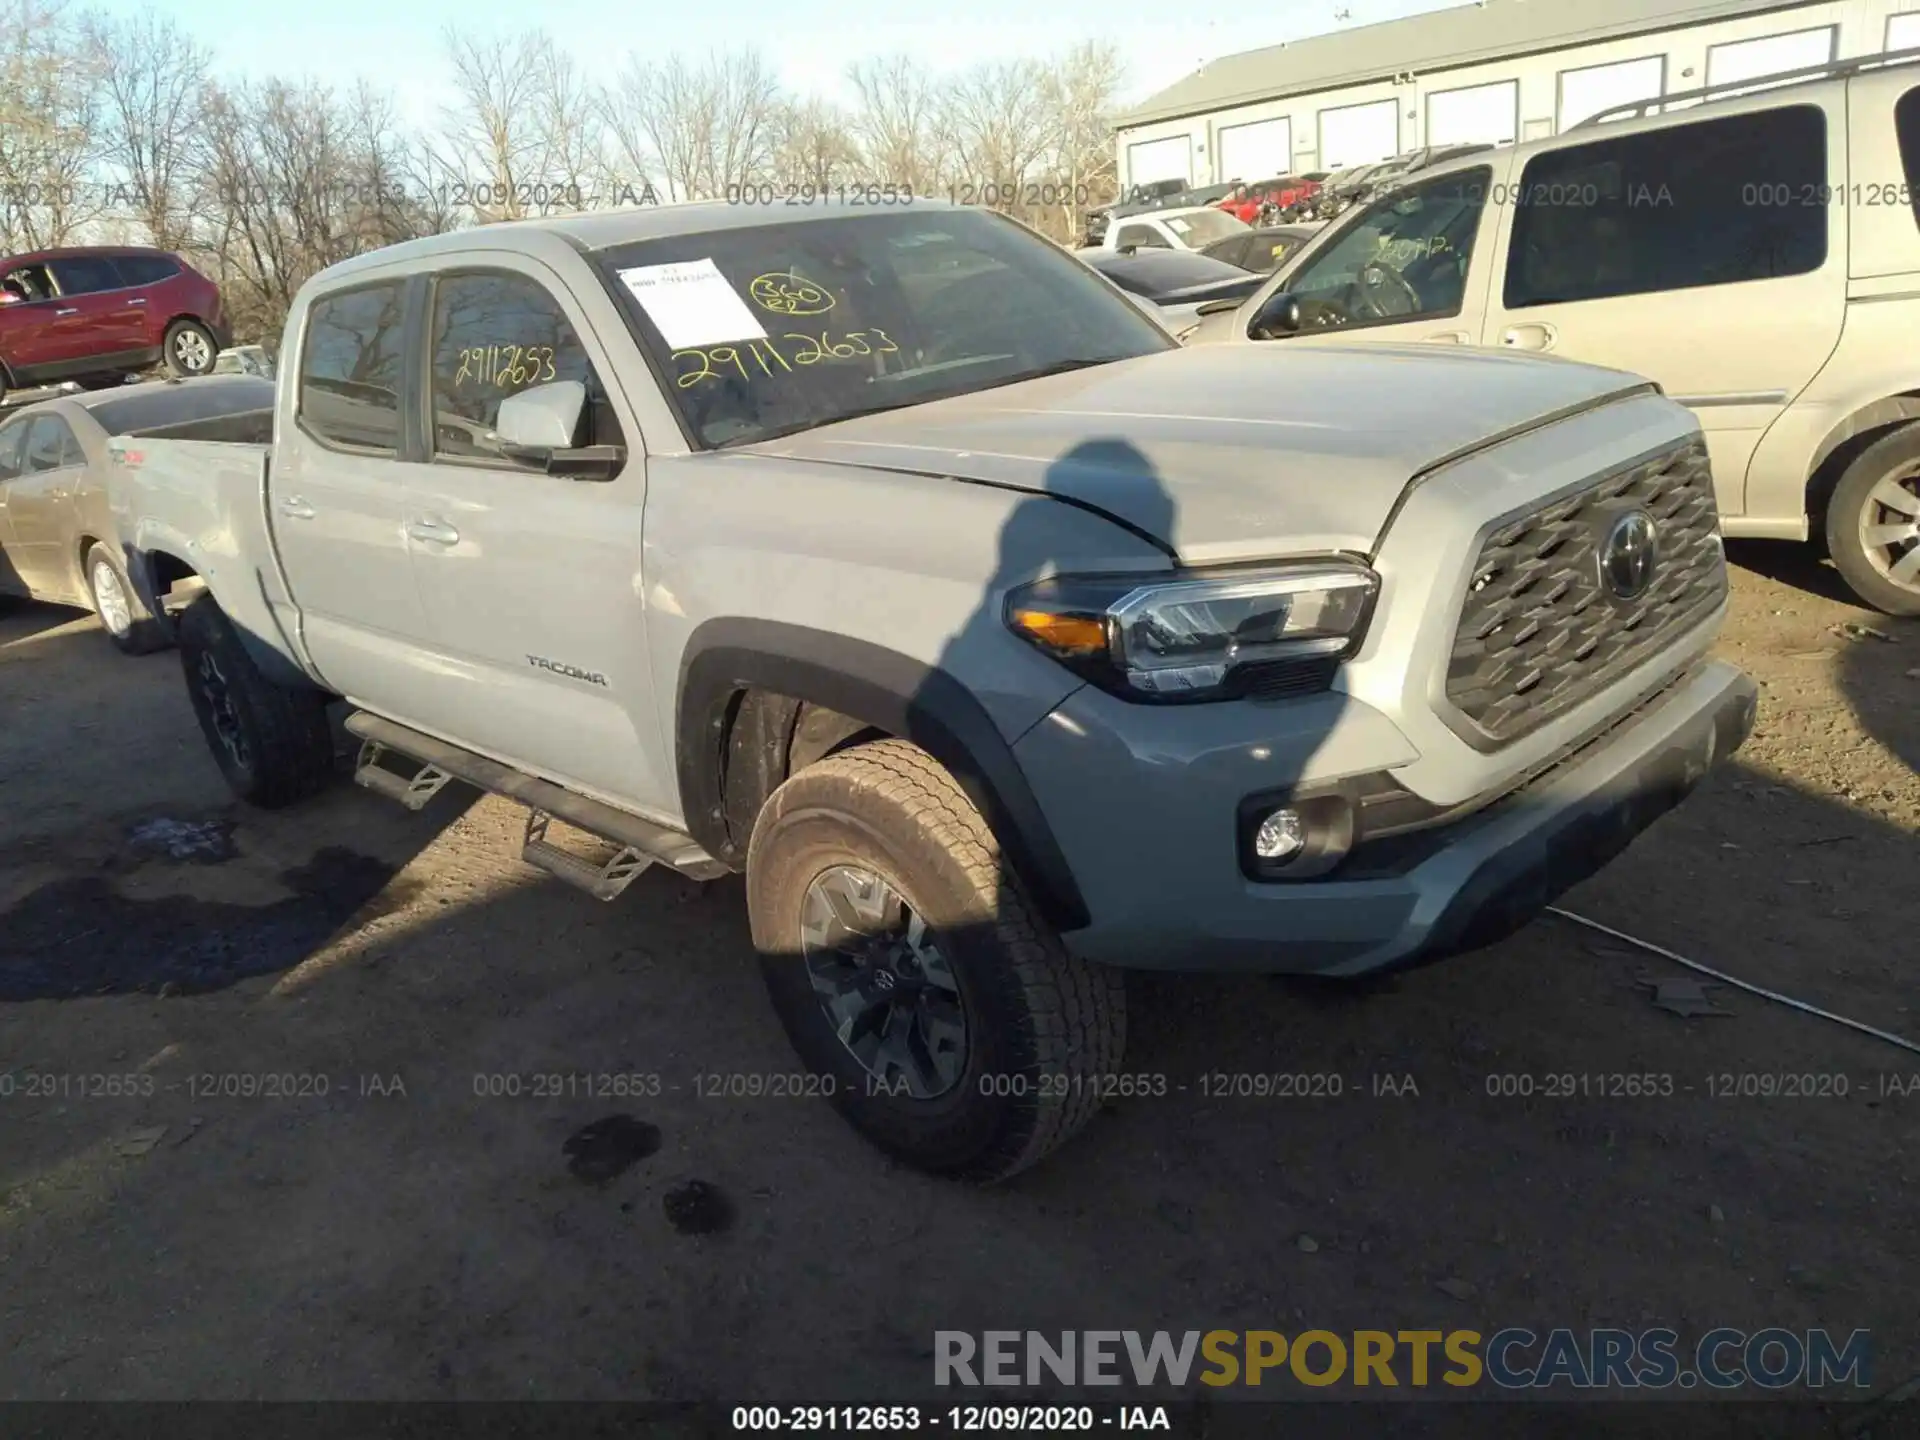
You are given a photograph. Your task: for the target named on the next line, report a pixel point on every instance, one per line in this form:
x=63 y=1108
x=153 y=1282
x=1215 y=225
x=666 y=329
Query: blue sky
x=396 y=43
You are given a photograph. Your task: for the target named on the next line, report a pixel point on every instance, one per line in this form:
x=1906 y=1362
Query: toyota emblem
x=1630 y=554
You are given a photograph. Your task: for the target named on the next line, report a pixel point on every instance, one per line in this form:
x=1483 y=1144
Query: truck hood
x=1227 y=452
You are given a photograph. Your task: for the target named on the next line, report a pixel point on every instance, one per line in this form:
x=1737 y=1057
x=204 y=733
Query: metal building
x=1496 y=71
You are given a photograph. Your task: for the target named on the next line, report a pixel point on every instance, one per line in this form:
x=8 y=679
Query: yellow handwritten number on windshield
x=787 y=294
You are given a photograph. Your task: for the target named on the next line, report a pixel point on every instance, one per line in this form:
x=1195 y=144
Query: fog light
x=1281 y=835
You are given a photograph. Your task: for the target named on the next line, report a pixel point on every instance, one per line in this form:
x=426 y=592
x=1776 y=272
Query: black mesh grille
x=1541 y=628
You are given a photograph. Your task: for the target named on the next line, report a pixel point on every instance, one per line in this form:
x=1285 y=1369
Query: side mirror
x=1278 y=315
x=541 y=426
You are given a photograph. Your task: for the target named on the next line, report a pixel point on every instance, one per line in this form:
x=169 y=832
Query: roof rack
x=1831 y=70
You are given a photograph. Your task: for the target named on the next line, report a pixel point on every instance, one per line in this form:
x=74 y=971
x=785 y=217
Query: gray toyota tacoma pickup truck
x=892 y=557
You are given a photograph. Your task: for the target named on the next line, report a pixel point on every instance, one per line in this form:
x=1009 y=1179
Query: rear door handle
x=295 y=507
x=434 y=532
x=1532 y=336
x=67 y=312
x=136 y=302
x=1448 y=337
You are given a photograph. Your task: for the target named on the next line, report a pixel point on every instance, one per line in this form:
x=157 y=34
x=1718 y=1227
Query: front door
x=531 y=581
x=1709 y=255
x=1413 y=266
x=336 y=503
x=40 y=510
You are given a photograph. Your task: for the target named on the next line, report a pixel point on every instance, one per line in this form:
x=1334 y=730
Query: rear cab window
x=1716 y=202
x=350 y=369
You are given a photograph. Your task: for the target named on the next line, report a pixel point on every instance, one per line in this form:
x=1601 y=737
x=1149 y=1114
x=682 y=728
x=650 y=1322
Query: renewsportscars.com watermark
x=1511 y=1359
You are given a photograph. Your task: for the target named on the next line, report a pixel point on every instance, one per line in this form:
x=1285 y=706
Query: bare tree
x=47 y=118
x=701 y=127
x=151 y=79
x=1000 y=128
x=497 y=144
x=897 y=124
x=1080 y=91
x=814 y=149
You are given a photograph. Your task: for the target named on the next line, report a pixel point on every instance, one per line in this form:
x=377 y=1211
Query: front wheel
x=1873 y=523
x=189 y=348
x=272 y=743
x=122 y=615
x=941 y=1013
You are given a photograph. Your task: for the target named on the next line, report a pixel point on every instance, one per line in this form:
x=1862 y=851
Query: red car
x=97 y=313
x=1246 y=201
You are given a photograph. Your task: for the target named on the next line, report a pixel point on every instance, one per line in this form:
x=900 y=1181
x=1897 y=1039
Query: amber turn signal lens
x=1063 y=634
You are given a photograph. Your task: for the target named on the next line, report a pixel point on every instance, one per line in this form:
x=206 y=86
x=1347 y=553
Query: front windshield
x=763 y=330
x=1203 y=227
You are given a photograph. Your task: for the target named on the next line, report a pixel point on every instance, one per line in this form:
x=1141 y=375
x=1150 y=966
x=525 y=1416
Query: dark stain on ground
x=697 y=1208
x=78 y=937
x=606 y=1148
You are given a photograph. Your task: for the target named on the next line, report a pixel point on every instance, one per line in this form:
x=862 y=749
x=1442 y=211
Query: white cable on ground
x=1734 y=981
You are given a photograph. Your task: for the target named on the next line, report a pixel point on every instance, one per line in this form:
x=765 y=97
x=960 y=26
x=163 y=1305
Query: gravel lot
x=403 y=1236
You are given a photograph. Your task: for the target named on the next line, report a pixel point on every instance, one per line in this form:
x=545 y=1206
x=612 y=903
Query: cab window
x=350 y=369
x=496 y=335
x=1405 y=258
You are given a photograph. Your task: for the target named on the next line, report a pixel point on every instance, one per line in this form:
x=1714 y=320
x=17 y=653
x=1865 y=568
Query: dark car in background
x=1175 y=283
x=98 y=313
x=1262 y=250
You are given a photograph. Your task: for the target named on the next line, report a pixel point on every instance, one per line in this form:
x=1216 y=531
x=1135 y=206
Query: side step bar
x=637 y=843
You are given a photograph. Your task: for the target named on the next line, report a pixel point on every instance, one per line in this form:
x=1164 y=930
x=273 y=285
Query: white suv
x=1758 y=255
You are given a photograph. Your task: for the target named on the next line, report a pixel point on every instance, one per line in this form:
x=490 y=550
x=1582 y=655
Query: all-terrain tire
x=123 y=615
x=272 y=742
x=1042 y=1028
x=1891 y=461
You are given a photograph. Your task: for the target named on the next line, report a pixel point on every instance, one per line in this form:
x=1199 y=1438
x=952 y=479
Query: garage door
x=1475 y=115
x=1903 y=32
x=1258 y=151
x=1588 y=91
x=1359 y=134
x=1750 y=59
x=1170 y=159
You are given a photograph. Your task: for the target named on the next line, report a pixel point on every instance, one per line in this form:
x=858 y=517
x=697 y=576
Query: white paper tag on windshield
x=692 y=304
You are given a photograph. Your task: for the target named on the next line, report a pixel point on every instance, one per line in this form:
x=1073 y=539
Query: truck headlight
x=1201 y=636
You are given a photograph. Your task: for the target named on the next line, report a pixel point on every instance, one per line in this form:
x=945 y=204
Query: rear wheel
x=1873 y=523
x=122 y=615
x=272 y=742
x=189 y=348
x=946 y=1021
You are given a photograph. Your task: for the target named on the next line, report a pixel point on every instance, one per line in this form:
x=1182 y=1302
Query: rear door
x=95 y=315
x=532 y=582
x=40 y=508
x=1414 y=265
x=337 y=505
x=1708 y=254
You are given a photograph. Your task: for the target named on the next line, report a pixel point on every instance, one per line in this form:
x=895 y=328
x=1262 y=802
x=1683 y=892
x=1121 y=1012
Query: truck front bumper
x=1146 y=819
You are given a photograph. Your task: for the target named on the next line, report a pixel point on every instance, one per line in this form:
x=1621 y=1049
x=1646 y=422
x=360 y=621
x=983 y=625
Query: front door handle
x=69 y=311
x=1448 y=337
x=434 y=532
x=1532 y=336
x=295 y=507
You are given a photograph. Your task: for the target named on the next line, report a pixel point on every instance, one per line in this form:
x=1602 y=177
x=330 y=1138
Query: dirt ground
x=407 y=1235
